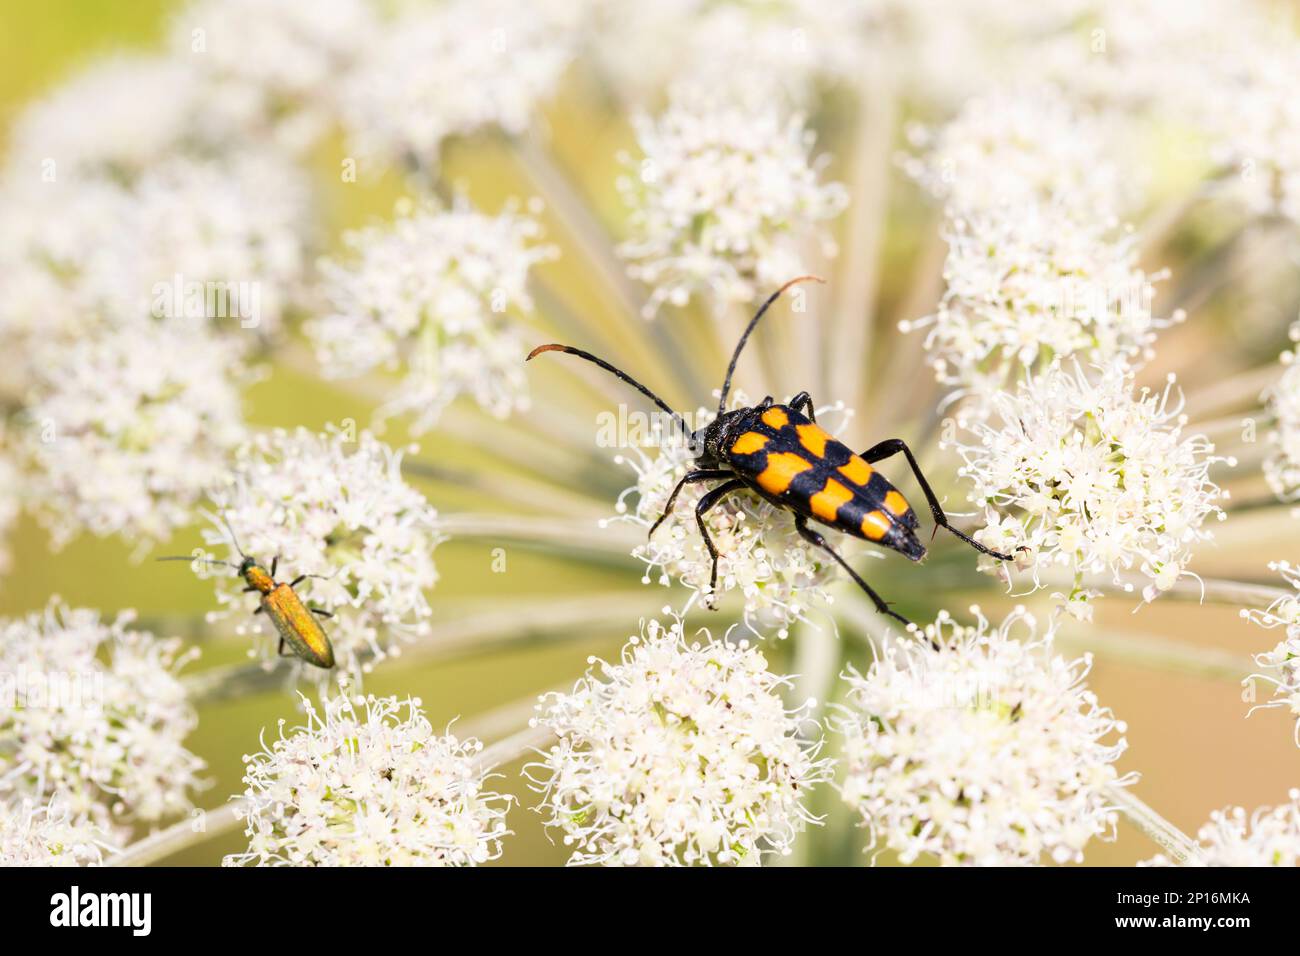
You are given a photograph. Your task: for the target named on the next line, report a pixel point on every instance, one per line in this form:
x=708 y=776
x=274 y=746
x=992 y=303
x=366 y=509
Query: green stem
x=1171 y=839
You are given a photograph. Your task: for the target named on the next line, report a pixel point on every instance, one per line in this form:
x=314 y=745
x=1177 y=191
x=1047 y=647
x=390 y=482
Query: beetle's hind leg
x=690 y=478
x=706 y=504
x=814 y=538
x=892 y=446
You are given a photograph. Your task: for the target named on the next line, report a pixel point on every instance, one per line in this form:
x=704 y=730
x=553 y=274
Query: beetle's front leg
x=703 y=508
x=691 y=477
x=803 y=404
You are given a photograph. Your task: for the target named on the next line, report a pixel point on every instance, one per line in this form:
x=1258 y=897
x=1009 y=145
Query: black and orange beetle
x=779 y=452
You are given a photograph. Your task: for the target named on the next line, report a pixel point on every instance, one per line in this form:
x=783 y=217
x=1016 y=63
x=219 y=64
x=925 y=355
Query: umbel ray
x=782 y=454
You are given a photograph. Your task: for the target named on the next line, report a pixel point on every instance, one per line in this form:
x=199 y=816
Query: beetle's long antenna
x=191 y=559
x=744 y=337
x=233 y=539
x=617 y=373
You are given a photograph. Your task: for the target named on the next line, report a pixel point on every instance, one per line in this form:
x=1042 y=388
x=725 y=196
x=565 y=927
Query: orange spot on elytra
x=813 y=439
x=856 y=470
x=875 y=525
x=896 y=503
x=826 y=503
x=776 y=418
x=782 y=468
x=749 y=443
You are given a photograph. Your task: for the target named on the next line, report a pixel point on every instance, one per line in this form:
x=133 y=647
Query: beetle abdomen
x=298 y=626
x=794 y=462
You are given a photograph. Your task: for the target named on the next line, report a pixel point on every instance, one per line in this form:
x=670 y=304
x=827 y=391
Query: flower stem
x=1169 y=837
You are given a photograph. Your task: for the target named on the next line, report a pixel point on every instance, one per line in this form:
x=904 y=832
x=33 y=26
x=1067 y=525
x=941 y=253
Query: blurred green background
x=1187 y=733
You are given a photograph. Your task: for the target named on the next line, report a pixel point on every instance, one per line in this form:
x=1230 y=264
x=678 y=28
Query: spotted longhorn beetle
x=780 y=452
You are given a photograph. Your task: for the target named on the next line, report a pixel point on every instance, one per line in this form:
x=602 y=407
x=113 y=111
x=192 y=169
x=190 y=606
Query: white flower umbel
x=725 y=202
x=1282 y=467
x=116 y=117
x=46 y=834
x=779 y=575
x=1268 y=837
x=755 y=53
x=1092 y=479
x=222 y=238
x=369 y=784
x=1027 y=286
x=456 y=69
x=273 y=67
x=968 y=746
x=438 y=293
x=1018 y=149
x=680 y=754
x=128 y=427
x=1282 y=664
x=334 y=506
x=99 y=718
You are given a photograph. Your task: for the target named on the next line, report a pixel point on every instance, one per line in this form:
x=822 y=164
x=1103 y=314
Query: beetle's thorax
x=716 y=437
x=256 y=576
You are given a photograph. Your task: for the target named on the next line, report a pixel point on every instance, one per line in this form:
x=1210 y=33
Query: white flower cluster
x=1038 y=267
x=752 y=53
x=454 y=70
x=47 y=834
x=980 y=749
x=1091 y=479
x=725 y=201
x=1010 y=150
x=99 y=718
x=436 y=293
x=1282 y=663
x=272 y=68
x=144 y=260
x=1282 y=467
x=128 y=434
x=334 y=506
x=1268 y=837
x=680 y=754
x=779 y=575
x=1023 y=292
x=375 y=787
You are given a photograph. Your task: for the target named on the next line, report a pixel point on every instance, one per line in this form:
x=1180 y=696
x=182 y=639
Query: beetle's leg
x=259 y=609
x=275 y=562
x=701 y=509
x=813 y=538
x=280 y=650
x=322 y=612
x=803 y=404
x=249 y=588
x=892 y=446
x=702 y=474
x=298 y=580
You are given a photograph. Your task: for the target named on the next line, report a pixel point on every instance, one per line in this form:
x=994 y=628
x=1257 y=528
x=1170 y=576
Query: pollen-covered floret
x=437 y=294
x=369 y=783
x=99 y=718
x=334 y=506
x=969 y=746
x=679 y=754
x=1092 y=479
